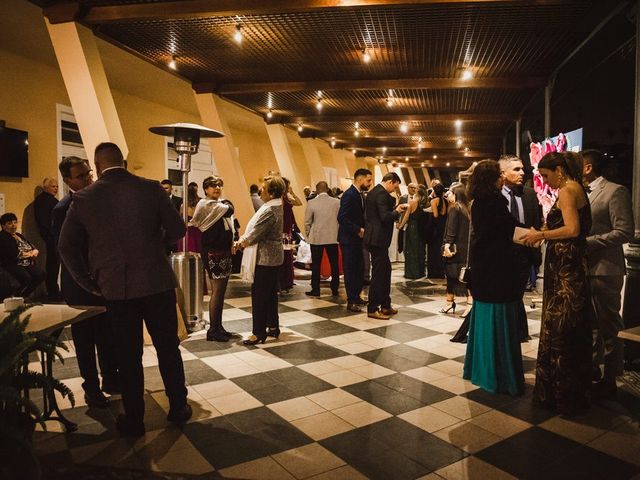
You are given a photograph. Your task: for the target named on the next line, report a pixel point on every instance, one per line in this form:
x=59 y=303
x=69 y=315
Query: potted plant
x=18 y=414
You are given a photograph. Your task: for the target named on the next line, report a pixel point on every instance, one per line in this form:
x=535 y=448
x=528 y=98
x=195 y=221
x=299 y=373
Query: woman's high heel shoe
x=254 y=339
x=273 y=332
x=451 y=307
x=217 y=336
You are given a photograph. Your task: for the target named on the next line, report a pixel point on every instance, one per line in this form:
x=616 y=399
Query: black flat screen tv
x=14 y=153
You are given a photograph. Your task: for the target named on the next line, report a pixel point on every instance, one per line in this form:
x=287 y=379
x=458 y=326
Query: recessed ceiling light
x=404 y=127
x=466 y=149
x=333 y=142
x=237 y=36
x=459 y=142
x=366 y=56
x=406 y=159
x=356 y=133
x=422 y=165
x=319 y=104
x=353 y=150
x=384 y=149
x=172 y=63
x=467 y=74
x=448 y=164
x=300 y=127
x=269 y=114
x=435 y=157
x=458 y=123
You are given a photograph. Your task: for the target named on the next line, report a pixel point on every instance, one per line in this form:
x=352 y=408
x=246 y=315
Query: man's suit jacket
x=42 y=207
x=611 y=227
x=532 y=209
x=321 y=220
x=176 y=202
x=380 y=217
x=125 y=223
x=350 y=216
x=72 y=293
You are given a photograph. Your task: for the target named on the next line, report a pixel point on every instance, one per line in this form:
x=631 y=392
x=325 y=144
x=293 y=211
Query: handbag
x=452 y=248
x=465 y=271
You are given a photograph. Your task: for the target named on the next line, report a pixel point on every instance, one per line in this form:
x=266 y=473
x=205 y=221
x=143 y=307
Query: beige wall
x=29 y=92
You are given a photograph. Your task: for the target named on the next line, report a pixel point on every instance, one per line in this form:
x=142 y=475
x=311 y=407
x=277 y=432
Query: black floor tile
x=197 y=372
x=492 y=400
x=201 y=348
x=387 y=399
x=406 y=314
x=423 y=392
x=305 y=352
x=281 y=308
x=255 y=381
x=402 y=332
x=584 y=463
x=526 y=410
x=530 y=453
x=302 y=382
x=322 y=329
x=337 y=311
x=401 y=357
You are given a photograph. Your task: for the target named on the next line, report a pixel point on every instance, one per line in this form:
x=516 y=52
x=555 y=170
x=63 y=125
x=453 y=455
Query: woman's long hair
x=484 y=179
x=462 y=199
x=438 y=192
x=570 y=162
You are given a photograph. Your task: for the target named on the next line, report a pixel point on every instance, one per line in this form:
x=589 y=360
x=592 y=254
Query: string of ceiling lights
x=390 y=101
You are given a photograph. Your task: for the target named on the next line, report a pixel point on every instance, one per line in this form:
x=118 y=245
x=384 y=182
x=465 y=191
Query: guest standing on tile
x=289 y=200
x=350 y=235
x=262 y=259
x=411 y=227
x=439 y=211
x=612 y=226
x=494 y=359
x=321 y=229
x=125 y=222
x=380 y=217
x=563 y=371
x=42 y=208
x=213 y=216
x=95 y=334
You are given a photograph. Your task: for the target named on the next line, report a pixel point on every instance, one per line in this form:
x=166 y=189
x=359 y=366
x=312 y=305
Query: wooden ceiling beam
x=226 y=8
x=408 y=117
x=371 y=84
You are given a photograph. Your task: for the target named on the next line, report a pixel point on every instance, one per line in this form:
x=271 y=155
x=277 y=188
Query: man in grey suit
x=125 y=223
x=612 y=226
x=321 y=229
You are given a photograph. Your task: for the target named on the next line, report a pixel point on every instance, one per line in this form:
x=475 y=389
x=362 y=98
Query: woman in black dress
x=214 y=217
x=563 y=372
x=439 y=210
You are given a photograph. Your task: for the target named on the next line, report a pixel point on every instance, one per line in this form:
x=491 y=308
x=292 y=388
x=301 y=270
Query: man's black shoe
x=97 y=400
x=312 y=293
x=111 y=387
x=128 y=428
x=360 y=301
x=352 y=307
x=180 y=416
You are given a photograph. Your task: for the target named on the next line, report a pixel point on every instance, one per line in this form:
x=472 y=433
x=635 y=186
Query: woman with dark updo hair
x=563 y=371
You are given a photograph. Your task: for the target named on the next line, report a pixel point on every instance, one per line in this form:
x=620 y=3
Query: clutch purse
x=452 y=249
x=465 y=271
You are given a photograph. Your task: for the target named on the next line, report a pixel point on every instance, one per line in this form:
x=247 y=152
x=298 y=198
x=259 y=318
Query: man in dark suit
x=525 y=208
x=175 y=200
x=42 y=207
x=125 y=222
x=380 y=218
x=612 y=226
x=93 y=333
x=350 y=235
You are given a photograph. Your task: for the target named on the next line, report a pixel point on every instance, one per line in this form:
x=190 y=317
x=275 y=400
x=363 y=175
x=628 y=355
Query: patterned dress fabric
x=563 y=372
x=414 y=248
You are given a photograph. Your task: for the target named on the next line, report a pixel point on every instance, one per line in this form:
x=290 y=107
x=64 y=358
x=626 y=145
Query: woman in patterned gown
x=414 y=244
x=563 y=371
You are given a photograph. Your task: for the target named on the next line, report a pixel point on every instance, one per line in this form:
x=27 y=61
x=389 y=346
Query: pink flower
x=561 y=143
x=549 y=146
x=536 y=154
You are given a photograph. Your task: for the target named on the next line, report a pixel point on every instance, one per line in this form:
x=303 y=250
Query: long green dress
x=414 y=247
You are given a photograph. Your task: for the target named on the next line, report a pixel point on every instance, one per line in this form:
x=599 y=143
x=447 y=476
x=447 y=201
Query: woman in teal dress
x=414 y=242
x=494 y=359
x=563 y=371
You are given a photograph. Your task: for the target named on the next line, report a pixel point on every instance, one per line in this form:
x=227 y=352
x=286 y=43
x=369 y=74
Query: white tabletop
x=50 y=317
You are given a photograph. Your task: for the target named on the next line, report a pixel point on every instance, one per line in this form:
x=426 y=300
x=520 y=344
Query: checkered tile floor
x=341 y=396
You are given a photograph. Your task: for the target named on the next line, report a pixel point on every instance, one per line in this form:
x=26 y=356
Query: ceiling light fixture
x=356 y=133
x=300 y=127
x=384 y=149
x=404 y=127
x=172 y=63
x=448 y=164
x=466 y=149
x=237 y=36
x=319 y=104
x=390 y=99
x=333 y=142
x=406 y=159
x=458 y=123
x=459 y=142
x=467 y=75
x=422 y=165
x=269 y=114
x=366 y=56
x=353 y=150
x=435 y=157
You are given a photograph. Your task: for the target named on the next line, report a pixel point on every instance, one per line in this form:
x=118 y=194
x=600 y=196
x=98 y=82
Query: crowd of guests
x=113 y=237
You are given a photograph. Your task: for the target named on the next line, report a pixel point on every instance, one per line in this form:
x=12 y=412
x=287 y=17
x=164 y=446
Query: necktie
x=513 y=205
x=362 y=200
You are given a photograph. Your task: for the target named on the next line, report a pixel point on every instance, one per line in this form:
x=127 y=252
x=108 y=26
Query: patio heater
x=186 y=265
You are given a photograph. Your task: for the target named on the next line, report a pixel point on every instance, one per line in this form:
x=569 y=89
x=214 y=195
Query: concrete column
x=86 y=82
x=286 y=164
x=225 y=156
x=427 y=176
x=342 y=168
x=313 y=160
x=412 y=175
x=547 y=109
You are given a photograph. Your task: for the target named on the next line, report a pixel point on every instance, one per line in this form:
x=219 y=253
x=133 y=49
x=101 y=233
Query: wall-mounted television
x=14 y=153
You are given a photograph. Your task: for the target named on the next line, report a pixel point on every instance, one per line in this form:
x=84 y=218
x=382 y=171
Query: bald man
x=42 y=207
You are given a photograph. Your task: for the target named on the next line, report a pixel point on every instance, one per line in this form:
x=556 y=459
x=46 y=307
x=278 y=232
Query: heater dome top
x=172 y=129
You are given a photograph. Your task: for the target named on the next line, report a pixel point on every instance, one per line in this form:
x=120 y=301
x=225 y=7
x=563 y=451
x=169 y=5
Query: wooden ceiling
x=410 y=103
